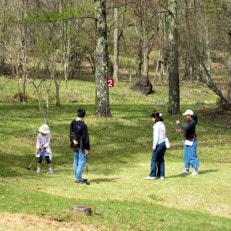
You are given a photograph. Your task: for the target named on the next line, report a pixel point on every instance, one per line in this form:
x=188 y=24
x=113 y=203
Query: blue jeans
x=79 y=163
x=157 y=161
x=190 y=156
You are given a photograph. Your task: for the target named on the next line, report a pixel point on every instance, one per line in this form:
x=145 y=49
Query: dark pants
x=40 y=159
x=157 y=161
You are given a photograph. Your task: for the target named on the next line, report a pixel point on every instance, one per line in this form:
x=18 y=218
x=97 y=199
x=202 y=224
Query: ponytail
x=195 y=118
x=158 y=116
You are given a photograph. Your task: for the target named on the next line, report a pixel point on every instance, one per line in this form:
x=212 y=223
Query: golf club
x=32 y=162
x=87 y=182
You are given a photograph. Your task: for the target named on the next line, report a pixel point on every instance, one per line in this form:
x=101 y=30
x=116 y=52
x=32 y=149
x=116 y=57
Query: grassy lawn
x=119 y=160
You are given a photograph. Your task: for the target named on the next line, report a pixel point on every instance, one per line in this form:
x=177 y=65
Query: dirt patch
x=19 y=222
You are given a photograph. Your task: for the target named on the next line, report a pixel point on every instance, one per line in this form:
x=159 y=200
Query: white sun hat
x=44 y=129
x=188 y=112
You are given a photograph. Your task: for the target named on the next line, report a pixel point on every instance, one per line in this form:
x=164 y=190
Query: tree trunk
x=139 y=51
x=23 y=40
x=229 y=58
x=146 y=60
x=52 y=71
x=146 y=51
x=65 y=44
x=116 y=45
x=2 y=42
x=102 y=107
x=174 y=89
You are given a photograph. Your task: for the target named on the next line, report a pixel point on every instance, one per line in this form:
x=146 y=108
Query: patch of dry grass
x=20 y=222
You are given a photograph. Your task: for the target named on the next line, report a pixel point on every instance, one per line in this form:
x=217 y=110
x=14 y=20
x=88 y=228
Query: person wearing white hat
x=43 y=147
x=190 y=142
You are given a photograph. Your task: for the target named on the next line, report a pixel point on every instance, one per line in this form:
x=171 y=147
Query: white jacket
x=45 y=142
x=159 y=133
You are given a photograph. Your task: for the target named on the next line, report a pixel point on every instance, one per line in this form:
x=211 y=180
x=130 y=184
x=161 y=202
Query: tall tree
x=229 y=58
x=138 y=20
x=65 y=43
x=116 y=42
x=150 y=30
x=145 y=21
x=102 y=107
x=173 y=62
x=22 y=46
x=3 y=37
x=191 y=18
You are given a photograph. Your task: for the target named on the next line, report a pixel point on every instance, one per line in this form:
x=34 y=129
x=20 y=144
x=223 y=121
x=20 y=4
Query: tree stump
x=82 y=209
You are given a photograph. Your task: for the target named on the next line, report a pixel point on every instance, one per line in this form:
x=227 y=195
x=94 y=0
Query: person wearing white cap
x=190 y=142
x=43 y=147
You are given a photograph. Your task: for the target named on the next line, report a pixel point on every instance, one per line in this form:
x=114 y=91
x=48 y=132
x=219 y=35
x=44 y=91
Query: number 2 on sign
x=110 y=82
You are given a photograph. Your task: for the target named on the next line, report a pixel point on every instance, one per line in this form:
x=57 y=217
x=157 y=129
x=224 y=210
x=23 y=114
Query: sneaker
x=51 y=171
x=78 y=182
x=38 y=170
x=83 y=181
x=186 y=171
x=162 y=178
x=150 y=178
x=194 y=173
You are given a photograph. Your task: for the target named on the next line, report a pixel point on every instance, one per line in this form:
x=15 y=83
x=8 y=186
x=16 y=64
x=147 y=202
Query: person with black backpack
x=80 y=143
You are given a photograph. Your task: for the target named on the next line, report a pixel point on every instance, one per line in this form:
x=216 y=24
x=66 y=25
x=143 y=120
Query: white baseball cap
x=188 y=112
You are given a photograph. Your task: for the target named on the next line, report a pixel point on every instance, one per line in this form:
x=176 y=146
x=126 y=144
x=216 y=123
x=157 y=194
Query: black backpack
x=76 y=130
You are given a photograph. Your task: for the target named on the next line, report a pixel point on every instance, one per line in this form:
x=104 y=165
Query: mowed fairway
x=119 y=160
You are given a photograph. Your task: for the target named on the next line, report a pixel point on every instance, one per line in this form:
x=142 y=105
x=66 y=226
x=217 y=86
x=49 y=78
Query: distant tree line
x=165 y=40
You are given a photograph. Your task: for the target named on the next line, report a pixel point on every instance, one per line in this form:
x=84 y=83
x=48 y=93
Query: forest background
x=57 y=56
x=167 y=41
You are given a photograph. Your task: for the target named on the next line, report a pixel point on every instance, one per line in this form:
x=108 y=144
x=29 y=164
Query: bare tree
x=173 y=61
x=39 y=90
x=203 y=52
x=22 y=43
x=229 y=58
x=3 y=26
x=116 y=43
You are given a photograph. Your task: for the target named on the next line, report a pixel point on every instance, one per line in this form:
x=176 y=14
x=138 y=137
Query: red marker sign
x=110 y=82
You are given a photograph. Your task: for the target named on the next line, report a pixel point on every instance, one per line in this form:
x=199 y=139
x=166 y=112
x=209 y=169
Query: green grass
x=118 y=162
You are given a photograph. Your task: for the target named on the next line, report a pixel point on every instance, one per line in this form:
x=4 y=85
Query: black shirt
x=190 y=129
x=74 y=126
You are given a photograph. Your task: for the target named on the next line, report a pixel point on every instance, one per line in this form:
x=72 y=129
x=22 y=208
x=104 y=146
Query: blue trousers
x=79 y=163
x=157 y=161
x=190 y=156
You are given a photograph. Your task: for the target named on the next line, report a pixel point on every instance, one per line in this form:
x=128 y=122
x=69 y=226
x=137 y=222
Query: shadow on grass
x=107 y=180
x=207 y=171
x=202 y=172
